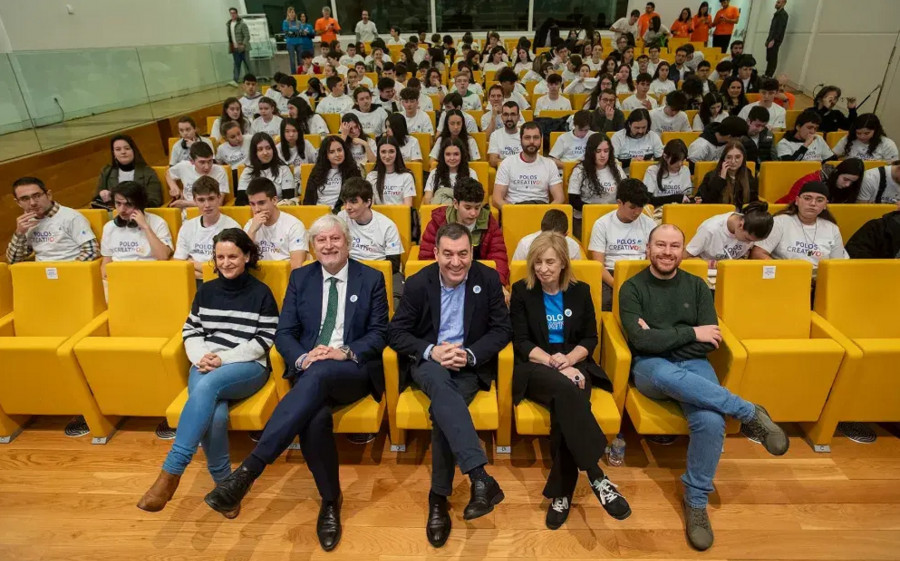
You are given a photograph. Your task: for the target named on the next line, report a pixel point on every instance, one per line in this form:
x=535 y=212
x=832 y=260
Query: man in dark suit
x=331 y=334
x=450 y=325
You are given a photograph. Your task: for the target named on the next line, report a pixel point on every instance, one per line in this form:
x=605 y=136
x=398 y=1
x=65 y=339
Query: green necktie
x=330 y=314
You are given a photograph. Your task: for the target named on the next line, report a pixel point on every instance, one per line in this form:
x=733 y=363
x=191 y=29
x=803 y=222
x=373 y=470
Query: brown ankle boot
x=160 y=493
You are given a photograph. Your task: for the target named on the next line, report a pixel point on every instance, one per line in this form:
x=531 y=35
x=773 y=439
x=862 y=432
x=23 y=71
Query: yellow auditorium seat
x=432 y=118
x=491 y=410
x=172 y=216
x=6 y=301
x=521 y=220
x=688 y=217
x=777 y=178
x=791 y=361
x=852 y=217
x=650 y=416
x=40 y=375
x=753 y=97
x=481 y=142
x=475 y=114
x=867 y=388
x=97 y=218
x=686 y=137
x=401 y=215
x=305 y=170
x=306 y=213
x=589 y=215
x=832 y=138
x=333 y=120
x=566 y=174
x=313 y=139
x=702 y=168
x=134 y=358
x=533 y=418
x=425 y=144
x=210 y=121
x=578 y=100
x=791 y=118
x=638 y=168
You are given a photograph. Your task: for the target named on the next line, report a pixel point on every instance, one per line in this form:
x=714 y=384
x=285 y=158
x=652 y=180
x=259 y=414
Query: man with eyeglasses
x=48 y=230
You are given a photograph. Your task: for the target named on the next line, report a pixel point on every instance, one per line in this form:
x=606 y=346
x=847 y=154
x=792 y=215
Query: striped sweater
x=232 y=318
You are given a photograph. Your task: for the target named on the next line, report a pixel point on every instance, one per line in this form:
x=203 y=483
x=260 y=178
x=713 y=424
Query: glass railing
x=49 y=99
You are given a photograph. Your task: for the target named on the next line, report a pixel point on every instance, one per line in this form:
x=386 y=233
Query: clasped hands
x=451 y=356
x=208 y=363
x=563 y=363
x=322 y=352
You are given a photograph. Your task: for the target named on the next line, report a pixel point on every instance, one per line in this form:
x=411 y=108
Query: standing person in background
x=626 y=25
x=326 y=26
x=366 y=32
x=724 y=23
x=238 y=43
x=701 y=24
x=643 y=22
x=683 y=26
x=298 y=34
x=776 y=37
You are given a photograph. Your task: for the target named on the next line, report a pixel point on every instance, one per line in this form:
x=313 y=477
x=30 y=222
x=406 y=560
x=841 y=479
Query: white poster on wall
x=261 y=44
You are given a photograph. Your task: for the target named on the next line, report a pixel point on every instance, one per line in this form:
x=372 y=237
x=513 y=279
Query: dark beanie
x=814 y=187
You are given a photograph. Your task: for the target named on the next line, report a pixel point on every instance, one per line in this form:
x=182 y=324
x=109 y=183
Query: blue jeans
x=294 y=54
x=205 y=415
x=694 y=385
x=239 y=58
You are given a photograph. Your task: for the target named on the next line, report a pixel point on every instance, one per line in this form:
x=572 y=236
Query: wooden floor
x=64 y=499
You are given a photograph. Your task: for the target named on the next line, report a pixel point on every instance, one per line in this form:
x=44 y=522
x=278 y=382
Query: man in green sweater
x=671 y=325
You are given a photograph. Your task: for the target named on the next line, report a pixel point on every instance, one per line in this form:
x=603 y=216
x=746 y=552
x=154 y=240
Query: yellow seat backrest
x=305 y=170
x=482 y=173
x=413 y=266
x=306 y=213
x=313 y=139
x=688 y=217
x=401 y=215
x=160 y=172
x=626 y=269
x=554 y=136
x=172 y=216
x=578 y=100
x=55 y=299
x=687 y=137
x=777 y=178
x=852 y=217
x=638 y=168
x=791 y=118
x=210 y=121
x=753 y=97
x=275 y=275
x=432 y=118
x=852 y=310
x=6 y=303
x=424 y=146
x=97 y=218
x=567 y=173
x=702 y=168
x=384 y=267
x=691 y=113
x=481 y=142
x=764 y=299
x=333 y=120
x=832 y=138
x=521 y=220
x=168 y=285
x=589 y=215
x=240 y=214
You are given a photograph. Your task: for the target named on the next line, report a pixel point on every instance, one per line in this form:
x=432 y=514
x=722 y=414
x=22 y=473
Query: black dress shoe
x=227 y=496
x=328 y=526
x=438 y=526
x=485 y=494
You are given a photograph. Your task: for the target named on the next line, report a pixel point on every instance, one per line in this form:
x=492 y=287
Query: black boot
x=227 y=496
x=437 y=528
x=485 y=493
x=328 y=526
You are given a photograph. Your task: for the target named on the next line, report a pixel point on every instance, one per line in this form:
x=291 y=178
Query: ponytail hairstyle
x=757 y=220
x=674 y=150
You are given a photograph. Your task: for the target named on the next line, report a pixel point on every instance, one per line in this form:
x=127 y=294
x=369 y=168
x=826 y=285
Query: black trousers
x=576 y=440
x=721 y=41
x=306 y=411
x=772 y=60
x=454 y=440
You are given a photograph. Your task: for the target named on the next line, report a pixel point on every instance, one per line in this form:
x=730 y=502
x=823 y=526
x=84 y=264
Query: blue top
x=553 y=305
x=296 y=33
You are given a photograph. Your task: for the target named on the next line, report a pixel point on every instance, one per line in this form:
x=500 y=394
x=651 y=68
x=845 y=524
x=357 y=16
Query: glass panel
x=569 y=14
x=411 y=16
x=18 y=137
x=471 y=15
x=276 y=12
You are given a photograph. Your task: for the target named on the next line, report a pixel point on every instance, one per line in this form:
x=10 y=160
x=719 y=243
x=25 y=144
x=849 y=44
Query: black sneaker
x=255 y=435
x=361 y=437
x=164 y=431
x=610 y=499
x=662 y=439
x=77 y=427
x=774 y=440
x=558 y=512
x=860 y=433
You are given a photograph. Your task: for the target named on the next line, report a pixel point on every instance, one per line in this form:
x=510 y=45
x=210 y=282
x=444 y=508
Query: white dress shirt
x=337 y=336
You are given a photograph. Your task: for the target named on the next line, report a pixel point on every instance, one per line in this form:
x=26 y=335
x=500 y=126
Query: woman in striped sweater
x=227 y=337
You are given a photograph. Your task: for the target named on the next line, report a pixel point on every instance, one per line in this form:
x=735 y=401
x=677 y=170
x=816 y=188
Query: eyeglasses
x=28 y=198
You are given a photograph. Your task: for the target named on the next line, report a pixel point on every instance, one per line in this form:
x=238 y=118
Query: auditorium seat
x=97 y=218
x=333 y=120
x=313 y=139
x=172 y=216
x=425 y=144
x=533 y=418
x=638 y=168
x=481 y=142
x=306 y=214
x=521 y=220
x=40 y=375
x=688 y=217
x=867 y=388
x=852 y=217
x=777 y=178
x=401 y=216
x=791 y=118
x=832 y=138
x=305 y=170
x=589 y=215
x=686 y=137
x=791 y=361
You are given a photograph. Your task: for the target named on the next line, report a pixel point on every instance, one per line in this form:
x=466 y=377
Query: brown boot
x=160 y=493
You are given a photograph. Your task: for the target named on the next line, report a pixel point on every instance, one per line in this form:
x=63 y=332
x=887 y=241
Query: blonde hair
x=557 y=242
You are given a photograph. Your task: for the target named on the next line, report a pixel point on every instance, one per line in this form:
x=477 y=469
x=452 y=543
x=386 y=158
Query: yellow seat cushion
x=364 y=415
x=875 y=397
x=650 y=416
x=30 y=378
x=533 y=418
x=413 y=404
x=251 y=413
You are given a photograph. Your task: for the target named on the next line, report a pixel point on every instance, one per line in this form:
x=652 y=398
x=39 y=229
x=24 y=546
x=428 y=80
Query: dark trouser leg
x=606 y=298
x=772 y=60
x=722 y=42
x=320 y=452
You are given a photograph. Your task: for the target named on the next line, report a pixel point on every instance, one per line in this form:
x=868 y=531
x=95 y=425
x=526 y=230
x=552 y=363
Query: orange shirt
x=681 y=29
x=644 y=23
x=701 y=29
x=327 y=35
x=723 y=28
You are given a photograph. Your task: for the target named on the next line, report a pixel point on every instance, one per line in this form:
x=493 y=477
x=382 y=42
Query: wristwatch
x=470 y=358
x=348 y=353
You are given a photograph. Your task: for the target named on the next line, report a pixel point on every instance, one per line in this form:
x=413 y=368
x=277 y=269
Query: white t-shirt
x=570 y=148
x=285 y=180
x=296 y=158
x=332 y=104
x=373 y=121
x=272 y=128
x=679 y=184
x=702 y=150
x=280 y=101
x=622 y=88
x=397 y=186
x=471 y=101
x=519 y=100
x=660 y=122
x=250 y=105
x=431 y=184
x=59 y=237
x=528 y=181
x=420 y=122
x=868 y=192
x=791 y=239
x=777 y=115
x=188 y=175
x=886 y=150
x=623 y=25
x=474 y=154
x=659 y=87
x=632 y=102
x=359 y=153
x=373 y=241
x=471 y=125
x=698 y=126
x=196 y=241
x=544 y=103
x=276 y=242
x=504 y=144
x=366 y=31
x=233 y=156
x=181 y=154
x=498 y=122
x=521 y=253
x=714 y=241
x=818 y=151
x=317 y=125
x=425 y=103
x=617 y=240
x=411 y=150
x=608 y=186
x=329 y=193
x=349 y=62
x=628 y=148
x=131 y=244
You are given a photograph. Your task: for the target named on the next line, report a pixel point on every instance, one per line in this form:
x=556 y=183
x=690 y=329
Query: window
x=474 y=16
x=411 y=16
x=276 y=11
x=577 y=14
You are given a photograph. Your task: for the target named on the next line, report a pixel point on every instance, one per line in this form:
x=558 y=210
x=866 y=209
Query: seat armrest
x=391 y=368
x=729 y=359
x=175 y=358
x=276 y=361
x=820 y=328
x=615 y=357
x=7 y=328
x=505 y=362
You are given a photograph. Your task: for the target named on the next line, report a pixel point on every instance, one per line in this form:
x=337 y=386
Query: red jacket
x=489 y=245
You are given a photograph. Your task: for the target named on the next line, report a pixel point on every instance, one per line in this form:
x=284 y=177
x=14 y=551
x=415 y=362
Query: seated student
x=416 y=120
x=454 y=101
x=306 y=65
x=187 y=131
x=287 y=85
x=370 y=116
x=334 y=165
x=274 y=93
x=636 y=141
x=671 y=117
x=702 y=74
x=654 y=62
x=425 y=103
x=580 y=83
x=669 y=180
x=731 y=235
x=433 y=83
x=234 y=149
x=712 y=110
x=804 y=230
x=280 y=236
x=356 y=78
x=231 y=111
x=881 y=185
x=640 y=99
x=195 y=238
x=724 y=70
x=866 y=140
x=455 y=130
x=307 y=119
x=394 y=184
x=336 y=101
x=133 y=235
x=227 y=337
x=661 y=83
x=833 y=119
x=553 y=101
x=595 y=179
x=507 y=78
x=624 y=83
x=452 y=165
x=395 y=127
x=250 y=99
x=606 y=117
x=539 y=73
x=290 y=143
x=621 y=235
x=400 y=75
x=569 y=147
x=693 y=91
x=188 y=172
x=315 y=92
x=679 y=70
x=733 y=97
x=350 y=58
x=528 y=177
x=731 y=182
x=878 y=238
x=759 y=140
x=670 y=323
x=554 y=220
x=362 y=147
x=746 y=71
x=267 y=122
x=709 y=145
x=768 y=87
x=641 y=66
x=470 y=98
x=386 y=96
x=126 y=164
x=46 y=229
x=492 y=119
x=844 y=182
x=693 y=58
x=333 y=59
x=506 y=142
x=802 y=143
x=264 y=162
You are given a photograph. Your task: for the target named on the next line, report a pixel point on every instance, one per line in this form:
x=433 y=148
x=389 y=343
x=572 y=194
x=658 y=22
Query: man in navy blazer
x=451 y=324
x=331 y=333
